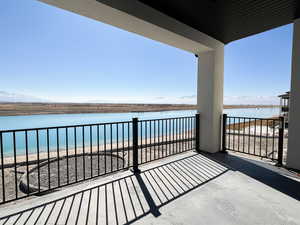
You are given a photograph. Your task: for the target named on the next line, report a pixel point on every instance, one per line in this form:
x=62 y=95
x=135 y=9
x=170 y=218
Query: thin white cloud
x=251 y=100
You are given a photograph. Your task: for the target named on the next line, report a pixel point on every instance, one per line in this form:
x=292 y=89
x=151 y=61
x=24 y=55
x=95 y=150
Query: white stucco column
x=210 y=98
x=293 y=155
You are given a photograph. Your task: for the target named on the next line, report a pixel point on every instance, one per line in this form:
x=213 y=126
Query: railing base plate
x=135 y=171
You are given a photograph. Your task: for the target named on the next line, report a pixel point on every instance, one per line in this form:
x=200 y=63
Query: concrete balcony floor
x=189 y=188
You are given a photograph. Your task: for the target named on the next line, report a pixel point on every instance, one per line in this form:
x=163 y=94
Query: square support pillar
x=293 y=154
x=210 y=98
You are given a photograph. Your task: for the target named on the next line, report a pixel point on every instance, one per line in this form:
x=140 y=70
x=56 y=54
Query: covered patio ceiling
x=229 y=20
x=198 y=25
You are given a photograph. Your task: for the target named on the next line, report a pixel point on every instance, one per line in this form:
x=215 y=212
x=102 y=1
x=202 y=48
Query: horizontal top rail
x=251 y=118
x=171 y=118
x=61 y=127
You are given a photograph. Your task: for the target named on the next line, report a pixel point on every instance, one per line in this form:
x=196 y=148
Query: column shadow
x=278 y=178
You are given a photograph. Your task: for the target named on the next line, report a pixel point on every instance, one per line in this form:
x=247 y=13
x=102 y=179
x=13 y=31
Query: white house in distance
x=284 y=106
x=204 y=28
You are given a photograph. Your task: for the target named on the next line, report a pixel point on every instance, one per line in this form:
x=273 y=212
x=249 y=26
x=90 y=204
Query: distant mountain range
x=9 y=97
x=13 y=97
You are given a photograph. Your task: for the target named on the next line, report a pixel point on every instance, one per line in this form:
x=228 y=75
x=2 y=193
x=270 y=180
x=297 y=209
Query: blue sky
x=52 y=55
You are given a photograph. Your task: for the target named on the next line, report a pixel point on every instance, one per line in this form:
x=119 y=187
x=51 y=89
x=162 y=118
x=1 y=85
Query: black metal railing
x=161 y=138
x=254 y=136
x=35 y=161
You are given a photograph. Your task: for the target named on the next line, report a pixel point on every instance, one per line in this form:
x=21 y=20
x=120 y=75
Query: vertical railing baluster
x=180 y=135
x=91 y=149
x=163 y=130
x=141 y=141
x=48 y=159
x=177 y=131
x=169 y=136
x=38 y=159
x=105 y=153
x=162 y=139
x=165 y=138
x=267 y=139
x=111 y=148
x=123 y=147
x=158 y=137
x=273 y=139
x=67 y=153
x=76 y=163
x=249 y=137
x=117 y=131
x=186 y=134
x=150 y=131
x=98 y=150
x=58 y=166
x=239 y=133
x=83 y=152
x=190 y=133
x=2 y=167
x=128 y=143
x=260 y=138
x=193 y=121
x=233 y=144
x=172 y=136
x=27 y=165
x=146 y=141
x=254 y=147
x=244 y=124
x=229 y=133
x=15 y=164
x=154 y=141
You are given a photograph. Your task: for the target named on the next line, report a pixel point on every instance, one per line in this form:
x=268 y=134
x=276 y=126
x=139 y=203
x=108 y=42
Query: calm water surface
x=37 y=121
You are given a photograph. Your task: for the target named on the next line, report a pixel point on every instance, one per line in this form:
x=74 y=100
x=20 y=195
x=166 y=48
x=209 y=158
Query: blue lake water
x=35 y=121
x=59 y=138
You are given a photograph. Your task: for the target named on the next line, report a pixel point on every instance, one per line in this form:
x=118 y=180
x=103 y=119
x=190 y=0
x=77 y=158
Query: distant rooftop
x=285 y=96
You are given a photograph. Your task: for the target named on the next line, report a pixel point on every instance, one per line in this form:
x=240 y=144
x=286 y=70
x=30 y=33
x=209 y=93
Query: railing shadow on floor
x=125 y=200
x=260 y=171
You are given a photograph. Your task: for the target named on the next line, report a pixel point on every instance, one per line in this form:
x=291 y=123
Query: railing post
x=197 y=133
x=280 y=141
x=224 y=125
x=135 y=147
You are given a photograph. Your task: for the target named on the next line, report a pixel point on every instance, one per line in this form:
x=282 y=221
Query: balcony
x=164 y=171
x=155 y=177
